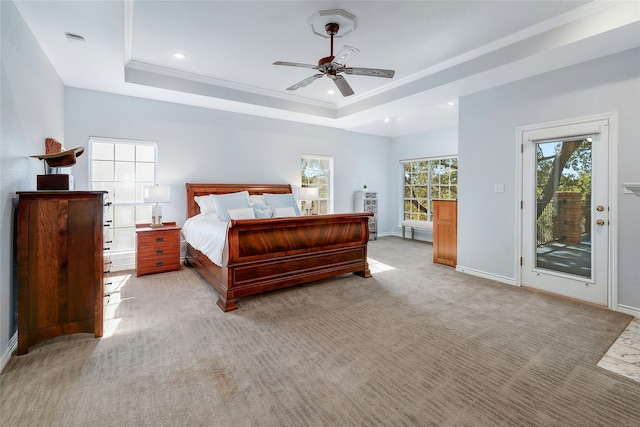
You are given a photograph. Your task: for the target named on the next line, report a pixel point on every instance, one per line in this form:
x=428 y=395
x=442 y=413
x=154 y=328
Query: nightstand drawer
x=153 y=252
x=158 y=265
x=158 y=239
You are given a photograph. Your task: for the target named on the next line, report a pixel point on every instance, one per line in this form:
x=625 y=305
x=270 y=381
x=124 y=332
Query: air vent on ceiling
x=75 y=39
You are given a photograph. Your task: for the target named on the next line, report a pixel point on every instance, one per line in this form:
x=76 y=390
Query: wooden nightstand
x=157 y=249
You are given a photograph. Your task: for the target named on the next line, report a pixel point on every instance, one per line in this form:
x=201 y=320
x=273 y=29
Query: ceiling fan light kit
x=331 y=65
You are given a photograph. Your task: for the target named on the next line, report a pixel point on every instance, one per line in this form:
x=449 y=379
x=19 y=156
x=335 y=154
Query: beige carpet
x=416 y=345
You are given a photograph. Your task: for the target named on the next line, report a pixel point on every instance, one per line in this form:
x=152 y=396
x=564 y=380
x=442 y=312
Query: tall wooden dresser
x=60 y=264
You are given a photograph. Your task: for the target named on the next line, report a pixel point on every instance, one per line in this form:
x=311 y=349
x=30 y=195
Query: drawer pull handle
x=159 y=239
x=159 y=264
x=159 y=252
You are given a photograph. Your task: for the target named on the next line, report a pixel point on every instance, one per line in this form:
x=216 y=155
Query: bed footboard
x=269 y=254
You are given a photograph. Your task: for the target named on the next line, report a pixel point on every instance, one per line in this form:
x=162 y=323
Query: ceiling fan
x=332 y=65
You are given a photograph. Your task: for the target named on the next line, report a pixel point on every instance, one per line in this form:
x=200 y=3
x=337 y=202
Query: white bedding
x=206 y=234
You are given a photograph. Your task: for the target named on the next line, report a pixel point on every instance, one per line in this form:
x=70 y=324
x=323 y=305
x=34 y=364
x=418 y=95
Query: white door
x=565 y=209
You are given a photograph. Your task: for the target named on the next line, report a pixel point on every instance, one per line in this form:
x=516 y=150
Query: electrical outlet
x=498 y=188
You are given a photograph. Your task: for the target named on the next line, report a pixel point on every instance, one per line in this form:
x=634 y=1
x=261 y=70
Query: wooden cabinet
x=367 y=201
x=445 y=232
x=60 y=264
x=157 y=249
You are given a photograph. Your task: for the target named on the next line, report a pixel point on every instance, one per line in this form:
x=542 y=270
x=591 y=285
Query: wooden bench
x=413 y=224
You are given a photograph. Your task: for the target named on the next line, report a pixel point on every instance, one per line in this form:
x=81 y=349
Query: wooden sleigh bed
x=271 y=253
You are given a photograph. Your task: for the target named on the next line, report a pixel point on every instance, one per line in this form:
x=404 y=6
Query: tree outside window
x=425 y=181
x=316 y=172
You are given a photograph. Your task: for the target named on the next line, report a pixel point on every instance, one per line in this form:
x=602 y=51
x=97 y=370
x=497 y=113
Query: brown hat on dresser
x=56 y=158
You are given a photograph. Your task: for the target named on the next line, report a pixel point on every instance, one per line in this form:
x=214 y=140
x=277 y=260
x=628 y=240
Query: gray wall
x=201 y=145
x=31 y=109
x=437 y=143
x=487 y=227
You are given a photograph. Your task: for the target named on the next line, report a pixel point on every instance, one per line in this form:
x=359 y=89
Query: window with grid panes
x=425 y=181
x=316 y=172
x=123 y=168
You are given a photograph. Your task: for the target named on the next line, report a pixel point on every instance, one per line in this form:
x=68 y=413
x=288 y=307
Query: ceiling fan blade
x=342 y=84
x=344 y=54
x=373 y=72
x=305 y=82
x=296 y=64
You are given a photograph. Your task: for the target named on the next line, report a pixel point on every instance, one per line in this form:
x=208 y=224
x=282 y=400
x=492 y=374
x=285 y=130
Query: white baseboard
x=13 y=345
x=473 y=272
x=634 y=311
x=123 y=261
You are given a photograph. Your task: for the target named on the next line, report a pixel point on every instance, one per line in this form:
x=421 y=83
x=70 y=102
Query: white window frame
x=429 y=199
x=140 y=208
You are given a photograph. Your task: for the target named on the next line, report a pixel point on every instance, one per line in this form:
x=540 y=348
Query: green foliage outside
x=315 y=173
x=425 y=181
x=561 y=166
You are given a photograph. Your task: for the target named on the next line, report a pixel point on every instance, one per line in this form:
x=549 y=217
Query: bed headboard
x=204 y=189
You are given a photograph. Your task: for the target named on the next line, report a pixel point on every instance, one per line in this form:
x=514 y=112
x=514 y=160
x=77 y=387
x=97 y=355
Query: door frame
x=612 y=245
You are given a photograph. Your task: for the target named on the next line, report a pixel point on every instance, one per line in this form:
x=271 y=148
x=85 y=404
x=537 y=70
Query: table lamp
x=156 y=194
x=307 y=194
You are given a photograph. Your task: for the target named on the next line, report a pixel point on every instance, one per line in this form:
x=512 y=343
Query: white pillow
x=282 y=201
x=244 y=213
x=206 y=205
x=257 y=199
x=224 y=202
x=284 y=212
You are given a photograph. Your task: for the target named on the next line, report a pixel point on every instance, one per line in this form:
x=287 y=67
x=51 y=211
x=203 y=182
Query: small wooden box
x=55 y=182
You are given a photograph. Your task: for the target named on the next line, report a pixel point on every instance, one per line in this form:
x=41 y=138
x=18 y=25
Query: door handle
x=600 y=222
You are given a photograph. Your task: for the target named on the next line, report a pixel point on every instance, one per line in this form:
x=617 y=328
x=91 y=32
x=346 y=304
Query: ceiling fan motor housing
x=332 y=28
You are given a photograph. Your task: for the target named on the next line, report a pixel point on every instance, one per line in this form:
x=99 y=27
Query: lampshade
x=157 y=194
x=308 y=193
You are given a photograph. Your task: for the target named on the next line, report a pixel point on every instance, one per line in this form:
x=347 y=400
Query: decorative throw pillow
x=262 y=211
x=206 y=205
x=257 y=199
x=224 y=202
x=282 y=201
x=244 y=213
x=284 y=212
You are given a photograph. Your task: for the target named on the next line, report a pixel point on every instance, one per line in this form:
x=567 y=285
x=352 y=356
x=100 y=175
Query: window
x=425 y=181
x=123 y=167
x=316 y=172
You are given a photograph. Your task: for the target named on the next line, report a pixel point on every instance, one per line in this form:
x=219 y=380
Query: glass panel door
x=565 y=209
x=563 y=206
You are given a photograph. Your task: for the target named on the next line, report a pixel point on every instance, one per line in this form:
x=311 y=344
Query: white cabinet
x=367 y=201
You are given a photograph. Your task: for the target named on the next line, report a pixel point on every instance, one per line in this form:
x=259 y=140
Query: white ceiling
x=440 y=50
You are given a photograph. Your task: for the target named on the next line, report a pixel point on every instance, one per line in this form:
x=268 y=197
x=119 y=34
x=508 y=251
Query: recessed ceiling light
x=75 y=39
x=331 y=91
x=386 y=119
x=451 y=103
x=179 y=55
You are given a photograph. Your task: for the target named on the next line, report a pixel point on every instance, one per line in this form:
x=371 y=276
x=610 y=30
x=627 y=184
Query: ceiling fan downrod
x=331 y=29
